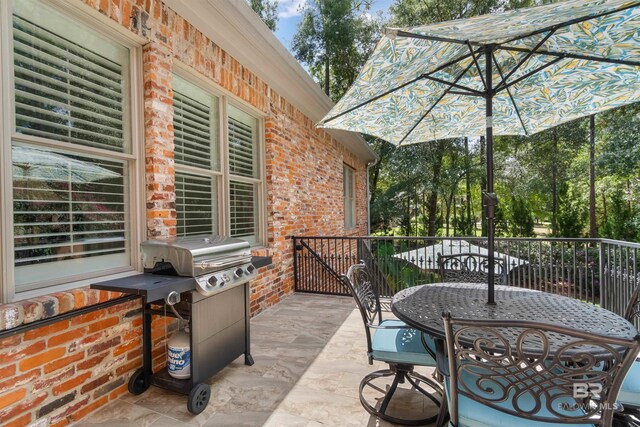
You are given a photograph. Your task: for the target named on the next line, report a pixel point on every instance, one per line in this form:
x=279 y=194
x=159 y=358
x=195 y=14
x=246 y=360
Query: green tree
x=448 y=163
x=521 y=219
x=410 y=13
x=620 y=154
x=544 y=176
x=622 y=219
x=542 y=166
x=267 y=10
x=572 y=217
x=334 y=39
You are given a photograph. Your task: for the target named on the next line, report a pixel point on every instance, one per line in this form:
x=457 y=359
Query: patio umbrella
x=511 y=73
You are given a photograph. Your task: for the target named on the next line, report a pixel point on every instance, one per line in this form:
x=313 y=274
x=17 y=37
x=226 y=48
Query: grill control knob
x=238 y=273
x=250 y=269
x=213 y=280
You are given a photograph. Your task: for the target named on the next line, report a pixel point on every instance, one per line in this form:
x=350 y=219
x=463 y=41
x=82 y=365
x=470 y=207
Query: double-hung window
x=70 y=150
x=349 y=184
x=218 y=169
x=196 y=124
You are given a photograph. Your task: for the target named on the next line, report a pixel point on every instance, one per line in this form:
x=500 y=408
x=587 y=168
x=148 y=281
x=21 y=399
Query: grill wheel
x=198 y=398
x=138 y=383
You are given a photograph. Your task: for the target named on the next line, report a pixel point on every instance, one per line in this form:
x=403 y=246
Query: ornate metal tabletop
x=422 y=306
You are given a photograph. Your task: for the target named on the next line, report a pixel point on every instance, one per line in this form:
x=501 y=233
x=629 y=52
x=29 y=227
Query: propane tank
x=179 y=355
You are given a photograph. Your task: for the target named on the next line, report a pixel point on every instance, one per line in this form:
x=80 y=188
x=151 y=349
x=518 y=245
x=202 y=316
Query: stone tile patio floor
x=310 y=355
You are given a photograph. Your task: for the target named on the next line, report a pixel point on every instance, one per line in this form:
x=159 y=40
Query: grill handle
x=211 y=264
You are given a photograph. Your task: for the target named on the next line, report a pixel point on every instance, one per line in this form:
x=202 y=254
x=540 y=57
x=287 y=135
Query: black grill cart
x=218 y=325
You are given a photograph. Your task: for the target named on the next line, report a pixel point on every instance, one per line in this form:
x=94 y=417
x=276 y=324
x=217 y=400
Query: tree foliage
x=267 y=10
x=620 y=152
x=521 y=219
x=572 y=217
x=435 y=188
x=333 y=39
x=623 y=221
x=409 y=13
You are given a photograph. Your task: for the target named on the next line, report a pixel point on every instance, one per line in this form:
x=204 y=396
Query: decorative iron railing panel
x=620 y=273
x=318 y=263
x=598 y=271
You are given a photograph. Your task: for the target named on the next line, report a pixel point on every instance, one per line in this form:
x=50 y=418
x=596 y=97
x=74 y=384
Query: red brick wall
x=68 y=369
x=158 y=140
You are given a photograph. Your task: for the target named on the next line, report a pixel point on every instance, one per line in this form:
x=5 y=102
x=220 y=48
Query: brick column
x=159 y=154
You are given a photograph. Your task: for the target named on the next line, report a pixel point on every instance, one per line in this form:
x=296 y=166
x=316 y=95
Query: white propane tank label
x=179 y=356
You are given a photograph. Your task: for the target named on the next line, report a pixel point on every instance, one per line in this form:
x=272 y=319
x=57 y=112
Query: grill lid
x=195 y=255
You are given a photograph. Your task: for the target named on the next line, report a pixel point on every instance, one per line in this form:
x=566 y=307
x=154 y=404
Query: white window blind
x=192 y=132
x=68 y=210
x=196 y=127
x=196 y=202
x=244 y=188
x=243 y=137
x=243 y=210
x=349 y=184
x=71 y=216
x=70 y=85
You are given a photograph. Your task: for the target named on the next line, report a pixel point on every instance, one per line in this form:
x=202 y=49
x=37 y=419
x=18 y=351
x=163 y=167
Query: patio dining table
x=421 y=307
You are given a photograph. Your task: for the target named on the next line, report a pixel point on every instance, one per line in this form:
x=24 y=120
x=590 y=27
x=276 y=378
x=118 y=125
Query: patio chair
x=513 y=377
x=633 y=308
x=471 y=268
x=394 y=343
x=630 y=393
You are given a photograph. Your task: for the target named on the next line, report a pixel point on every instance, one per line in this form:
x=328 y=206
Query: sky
x=289 y=16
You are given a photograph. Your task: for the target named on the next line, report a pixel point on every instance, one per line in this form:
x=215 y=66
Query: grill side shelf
x=153 y=287
x=261 y=261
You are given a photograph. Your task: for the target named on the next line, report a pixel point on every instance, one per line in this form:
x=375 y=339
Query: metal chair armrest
x=372 y=326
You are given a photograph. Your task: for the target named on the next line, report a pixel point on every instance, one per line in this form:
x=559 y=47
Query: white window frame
x=135 y=170
x=349 y=222
x=227 y=98
x=258 y=182
x=218 y=175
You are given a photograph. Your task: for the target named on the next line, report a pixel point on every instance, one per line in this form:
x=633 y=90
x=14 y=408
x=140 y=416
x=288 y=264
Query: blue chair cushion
x=630 y=391
x=475 y=414
x=401 y=345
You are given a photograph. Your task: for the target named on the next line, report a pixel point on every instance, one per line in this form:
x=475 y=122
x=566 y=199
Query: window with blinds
x=243 y=210
x=242 y=143
x=69 y=82
x=196 y=128
x=66 y=208
x=244 y=183
x=349 y=186
x=70 y=210
x=195 y=204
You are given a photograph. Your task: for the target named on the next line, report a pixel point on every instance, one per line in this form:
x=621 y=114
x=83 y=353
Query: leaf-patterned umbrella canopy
x=550 y=64
x=510 y=73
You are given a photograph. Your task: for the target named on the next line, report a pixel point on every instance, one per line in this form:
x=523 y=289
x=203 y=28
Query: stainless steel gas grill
x=215 y=262
x=203 y=280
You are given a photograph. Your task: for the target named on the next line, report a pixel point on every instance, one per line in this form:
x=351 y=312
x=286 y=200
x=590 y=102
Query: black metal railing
x=620 y=273
x=317 y=266
x=598 y=271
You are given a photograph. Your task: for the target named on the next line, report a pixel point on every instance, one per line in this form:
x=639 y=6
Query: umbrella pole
x=490 y=200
